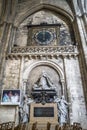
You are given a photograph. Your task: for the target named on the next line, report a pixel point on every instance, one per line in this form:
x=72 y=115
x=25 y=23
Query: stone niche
x=51 y=72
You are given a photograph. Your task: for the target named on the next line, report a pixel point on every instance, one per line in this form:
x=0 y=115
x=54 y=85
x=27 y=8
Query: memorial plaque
x=47 y=112
x=43 y=111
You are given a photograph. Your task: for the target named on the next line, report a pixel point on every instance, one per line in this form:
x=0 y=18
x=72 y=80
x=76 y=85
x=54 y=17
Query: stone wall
x=11 y=74
x=8 y=113
x=30 y=71
x=14 y=70
x=75 y=92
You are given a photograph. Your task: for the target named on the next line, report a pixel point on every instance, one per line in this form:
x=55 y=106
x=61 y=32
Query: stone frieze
x=44 y=49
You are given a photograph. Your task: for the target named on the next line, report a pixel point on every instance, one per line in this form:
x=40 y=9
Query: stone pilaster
x=75 y=92
x=5 y=42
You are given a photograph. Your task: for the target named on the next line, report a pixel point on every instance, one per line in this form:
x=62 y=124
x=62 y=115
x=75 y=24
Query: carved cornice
x=43 y=52
x=45 y=49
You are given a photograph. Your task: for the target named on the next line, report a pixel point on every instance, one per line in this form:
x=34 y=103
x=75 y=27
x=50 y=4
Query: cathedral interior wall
x=31 y=71
x=21 y=67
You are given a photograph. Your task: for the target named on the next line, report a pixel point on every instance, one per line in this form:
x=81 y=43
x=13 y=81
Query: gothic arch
x=48 y=63
x=57 y=11
x=39 y=7
x=51 y=64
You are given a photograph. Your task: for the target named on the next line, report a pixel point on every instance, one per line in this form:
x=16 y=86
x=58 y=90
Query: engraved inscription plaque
x=47 y=112
x=43 y=111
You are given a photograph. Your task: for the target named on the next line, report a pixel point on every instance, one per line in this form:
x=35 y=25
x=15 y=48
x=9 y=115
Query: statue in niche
x=24 y=109
x=62 y=105
x=44 y=82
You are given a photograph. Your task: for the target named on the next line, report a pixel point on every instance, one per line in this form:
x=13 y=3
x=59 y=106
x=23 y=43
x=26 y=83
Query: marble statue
x=62 y=109
x=44 y=82
x=24 y=110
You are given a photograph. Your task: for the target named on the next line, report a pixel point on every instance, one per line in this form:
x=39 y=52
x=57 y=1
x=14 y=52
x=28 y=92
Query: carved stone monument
x=44 y=82
x=43 y=114
x=44 y=89
x=44 y=108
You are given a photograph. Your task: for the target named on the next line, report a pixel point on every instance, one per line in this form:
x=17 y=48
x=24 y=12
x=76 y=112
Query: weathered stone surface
x=7 y=113
x=67 y=71
x=75 y=92
x=40 y=17
x=12 y=74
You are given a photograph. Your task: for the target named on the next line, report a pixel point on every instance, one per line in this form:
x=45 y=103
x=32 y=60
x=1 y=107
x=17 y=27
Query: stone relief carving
x=44 y=82
x=42 y=88
x=43 y=50
x=62 y=105
x=44 y=91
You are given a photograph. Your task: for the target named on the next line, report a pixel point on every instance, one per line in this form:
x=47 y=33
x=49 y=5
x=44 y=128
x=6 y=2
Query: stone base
x=46 y=121
x=42 y=126
x=45 y=115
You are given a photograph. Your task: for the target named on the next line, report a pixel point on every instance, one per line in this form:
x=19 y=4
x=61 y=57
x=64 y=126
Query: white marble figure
x=24 y=110
x=62 y=109
x=43 y=82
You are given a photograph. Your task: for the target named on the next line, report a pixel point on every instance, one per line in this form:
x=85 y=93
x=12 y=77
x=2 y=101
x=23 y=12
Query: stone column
x=75 y=92
x=82 y=4
x=81 y=37
x=81 y=14
x=76 y=7
x=5 y=42
x=63 y=87
x=83 y=54
x=2 y=37
x=21 y=73
x=14 y=36
x=12 y=39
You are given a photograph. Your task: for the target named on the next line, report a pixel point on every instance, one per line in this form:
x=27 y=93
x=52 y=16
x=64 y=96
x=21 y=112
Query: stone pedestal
x=43 y=126
x=43 y=117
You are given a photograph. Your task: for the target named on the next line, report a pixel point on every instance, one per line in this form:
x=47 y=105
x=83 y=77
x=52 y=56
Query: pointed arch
x=48 y=63
x=29 y=12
